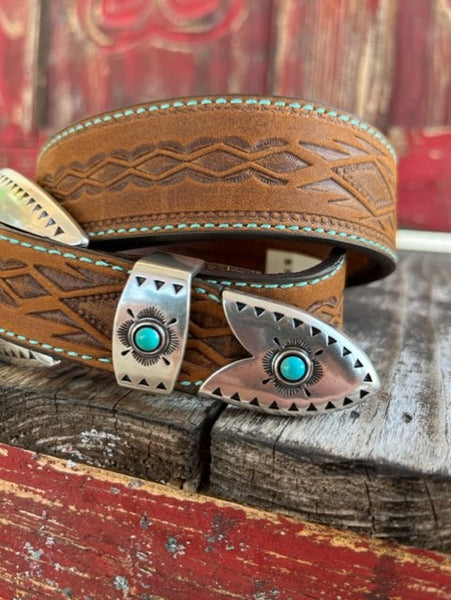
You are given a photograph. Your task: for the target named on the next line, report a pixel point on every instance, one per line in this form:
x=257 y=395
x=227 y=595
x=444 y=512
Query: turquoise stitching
x=187 y=383
x=72 y=353
x=271 y=286
x=69 y=255
x=321 y=110
x=321 y=230
x=213 y=297
x=99 y=263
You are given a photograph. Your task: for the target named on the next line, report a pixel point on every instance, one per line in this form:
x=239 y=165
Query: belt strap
x=221 y=179
x=230 y=166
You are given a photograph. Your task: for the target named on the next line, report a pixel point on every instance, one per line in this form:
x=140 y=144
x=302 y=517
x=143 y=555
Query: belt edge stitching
x=321 y=110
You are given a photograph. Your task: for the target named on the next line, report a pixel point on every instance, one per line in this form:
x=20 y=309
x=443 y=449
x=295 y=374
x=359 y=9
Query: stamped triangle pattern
x=336 y=375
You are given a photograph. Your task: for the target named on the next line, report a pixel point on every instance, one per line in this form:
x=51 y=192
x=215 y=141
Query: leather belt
x=225 y=181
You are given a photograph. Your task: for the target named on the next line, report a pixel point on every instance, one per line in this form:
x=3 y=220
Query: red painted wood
x=19 y=23
x=421 y=94
x=338 y=52
x=114 y=53
x=424 y=189
x=99 y=54
x=72 y=531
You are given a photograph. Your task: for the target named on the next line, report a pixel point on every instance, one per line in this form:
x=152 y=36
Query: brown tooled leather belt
x=185 y=204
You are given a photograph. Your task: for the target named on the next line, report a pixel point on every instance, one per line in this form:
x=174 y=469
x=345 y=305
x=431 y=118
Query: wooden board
x=82 y=415
x=111 y=56
x=421 y=95
x=19 y=39
x=339 y=52
x=384 y=467
x=386 y=60
x=424 y=188
x=77 y=532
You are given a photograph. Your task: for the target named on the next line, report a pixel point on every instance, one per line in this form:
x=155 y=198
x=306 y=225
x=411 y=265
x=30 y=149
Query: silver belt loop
x=151 y=323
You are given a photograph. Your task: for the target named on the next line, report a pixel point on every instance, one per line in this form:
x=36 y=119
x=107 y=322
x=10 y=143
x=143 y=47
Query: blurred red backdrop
x=388 y=61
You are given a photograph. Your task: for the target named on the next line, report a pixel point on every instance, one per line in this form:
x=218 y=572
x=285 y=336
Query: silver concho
x=27 y=207
x=300 y=365
x=151 y=323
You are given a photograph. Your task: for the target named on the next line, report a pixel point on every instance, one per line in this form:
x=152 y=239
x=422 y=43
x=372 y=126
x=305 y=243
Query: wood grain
x=338 y=52
x=421 y=93
x=384 y=467
x=424 y=171
x=19 y=39
x=70 y=531
x=82 y=415
x=142 y=51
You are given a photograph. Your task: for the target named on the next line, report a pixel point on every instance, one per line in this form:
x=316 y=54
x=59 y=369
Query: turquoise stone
x=293 y=367
x=147 y=338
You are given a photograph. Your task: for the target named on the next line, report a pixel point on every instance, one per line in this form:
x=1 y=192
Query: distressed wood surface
x=70 y=531
x=421 y=95
x=19 y=37
x=339 y=52
x=386 y=60
x=82 y=415
x=113 y=54
x=384 y=467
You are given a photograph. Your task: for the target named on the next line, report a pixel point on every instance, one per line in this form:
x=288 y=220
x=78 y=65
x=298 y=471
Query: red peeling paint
x=79 y=532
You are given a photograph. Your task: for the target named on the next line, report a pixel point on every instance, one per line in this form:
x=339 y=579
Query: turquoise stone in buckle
x=147 y=338
x=293 y=368
x=299 y=365
x=151 y=322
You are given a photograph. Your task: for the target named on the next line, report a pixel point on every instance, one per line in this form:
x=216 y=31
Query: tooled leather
x=61 y=301
x=228 y=168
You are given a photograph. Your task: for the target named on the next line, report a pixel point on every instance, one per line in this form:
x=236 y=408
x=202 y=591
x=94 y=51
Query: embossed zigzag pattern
x=71 y=304
x=67 y=305
x=354 y=177
x=206 y=160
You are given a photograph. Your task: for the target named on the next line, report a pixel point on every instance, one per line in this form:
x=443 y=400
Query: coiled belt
x=228 y=182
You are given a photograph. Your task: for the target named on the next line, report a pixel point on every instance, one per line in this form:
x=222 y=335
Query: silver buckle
x=151 y=323
x=27 y=207
x=299 y=365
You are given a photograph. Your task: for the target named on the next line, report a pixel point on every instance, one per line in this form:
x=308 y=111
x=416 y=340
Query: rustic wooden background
x=386 y=60
x=381 y=469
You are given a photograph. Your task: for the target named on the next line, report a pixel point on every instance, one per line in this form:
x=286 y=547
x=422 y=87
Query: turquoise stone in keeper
x=293 y=367
x=147 y=338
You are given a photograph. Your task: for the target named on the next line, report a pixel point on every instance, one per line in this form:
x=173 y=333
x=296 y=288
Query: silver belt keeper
x=151 y=322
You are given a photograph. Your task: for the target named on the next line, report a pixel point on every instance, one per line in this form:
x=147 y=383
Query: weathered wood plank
x=339 y=52
x=421 y=85
x=141 y=51
x=78 y=532
x=384 y=467
x=19 y=38
x=81 y=414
